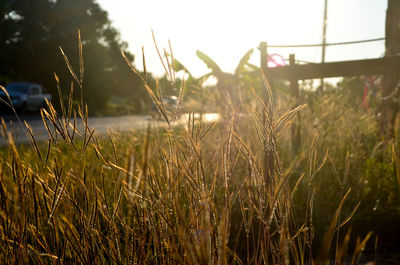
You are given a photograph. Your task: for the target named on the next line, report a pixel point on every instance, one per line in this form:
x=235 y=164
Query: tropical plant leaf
x=203 y=78
x=253 y=67
x=210 y=63
x=243 y=62
x=179 y=67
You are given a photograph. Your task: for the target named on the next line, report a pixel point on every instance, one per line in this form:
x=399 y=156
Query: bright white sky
x=226 y=29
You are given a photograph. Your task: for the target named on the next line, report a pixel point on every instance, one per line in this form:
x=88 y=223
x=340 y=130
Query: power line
x=324 y=25
x=326 y=44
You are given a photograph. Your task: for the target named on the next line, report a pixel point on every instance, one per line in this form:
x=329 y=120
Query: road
x=100 y=124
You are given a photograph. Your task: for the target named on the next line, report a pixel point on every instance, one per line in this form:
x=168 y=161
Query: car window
x=34 y=90
x=17 y=87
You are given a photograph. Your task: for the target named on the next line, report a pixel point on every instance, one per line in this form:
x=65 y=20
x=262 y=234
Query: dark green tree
x=31 y=32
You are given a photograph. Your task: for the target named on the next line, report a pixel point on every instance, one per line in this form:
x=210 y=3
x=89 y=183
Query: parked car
x=170 y=105
x=25 y=96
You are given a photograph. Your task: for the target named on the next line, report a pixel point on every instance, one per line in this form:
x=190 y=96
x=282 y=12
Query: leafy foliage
x=33 y=31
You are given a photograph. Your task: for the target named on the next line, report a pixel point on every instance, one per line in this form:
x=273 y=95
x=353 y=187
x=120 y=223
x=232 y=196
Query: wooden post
x=294 y=88
x=263 y=57
x=264 y=65
x=294 y=85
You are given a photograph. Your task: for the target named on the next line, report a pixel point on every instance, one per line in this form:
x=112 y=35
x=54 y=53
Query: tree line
x=31 y=32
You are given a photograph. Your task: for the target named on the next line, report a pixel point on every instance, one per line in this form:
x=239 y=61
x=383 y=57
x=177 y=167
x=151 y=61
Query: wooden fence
x=295 y=72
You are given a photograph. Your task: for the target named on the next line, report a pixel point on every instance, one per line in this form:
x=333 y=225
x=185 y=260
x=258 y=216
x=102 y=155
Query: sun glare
x=225 y=29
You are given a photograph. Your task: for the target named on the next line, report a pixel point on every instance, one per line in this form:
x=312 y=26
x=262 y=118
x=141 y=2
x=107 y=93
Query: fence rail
x=325 y=44
x=386 y=65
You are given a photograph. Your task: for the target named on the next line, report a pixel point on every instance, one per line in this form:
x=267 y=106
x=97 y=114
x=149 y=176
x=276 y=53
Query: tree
x=32 y=32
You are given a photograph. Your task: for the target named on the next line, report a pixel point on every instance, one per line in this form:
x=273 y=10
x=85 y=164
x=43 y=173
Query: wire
x=327 y=44
x=300 y=61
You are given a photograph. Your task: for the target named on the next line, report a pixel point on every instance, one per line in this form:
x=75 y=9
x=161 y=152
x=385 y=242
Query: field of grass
x=229 y=192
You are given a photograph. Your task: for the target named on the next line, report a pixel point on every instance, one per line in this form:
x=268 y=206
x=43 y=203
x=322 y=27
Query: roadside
x=100 y=124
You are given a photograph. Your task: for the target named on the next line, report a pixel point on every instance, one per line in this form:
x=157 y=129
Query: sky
x=226 y=29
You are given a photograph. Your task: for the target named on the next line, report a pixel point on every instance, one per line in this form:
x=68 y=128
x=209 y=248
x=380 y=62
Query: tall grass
x=218 y=193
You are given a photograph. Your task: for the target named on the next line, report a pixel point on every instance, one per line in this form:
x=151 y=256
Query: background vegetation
x=32 y=31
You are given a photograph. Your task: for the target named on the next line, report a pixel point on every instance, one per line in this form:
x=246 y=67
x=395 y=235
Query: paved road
x=99 y=124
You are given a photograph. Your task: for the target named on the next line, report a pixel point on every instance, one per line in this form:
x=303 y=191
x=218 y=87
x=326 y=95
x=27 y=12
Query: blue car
x=24 y=96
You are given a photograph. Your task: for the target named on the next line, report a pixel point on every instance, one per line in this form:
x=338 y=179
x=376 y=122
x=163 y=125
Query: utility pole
x=389 y=106
x=392 y=43
x=324 y=24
